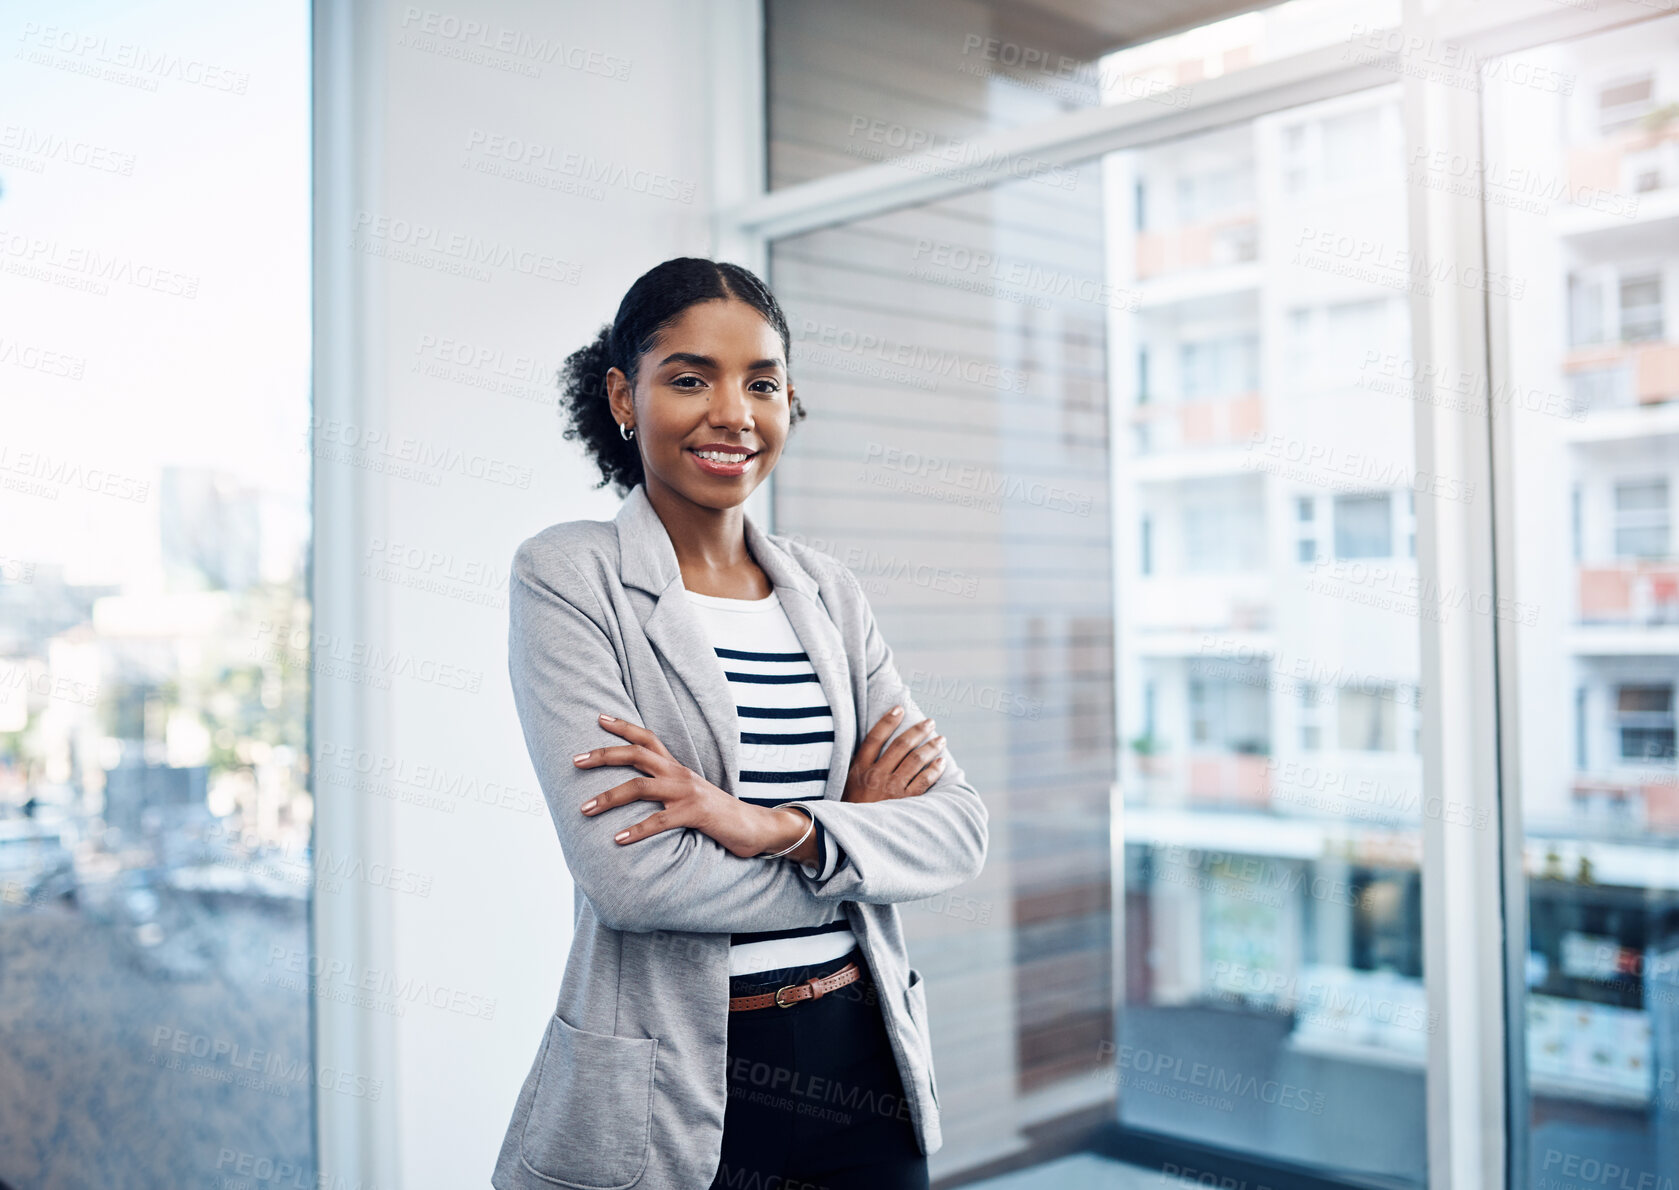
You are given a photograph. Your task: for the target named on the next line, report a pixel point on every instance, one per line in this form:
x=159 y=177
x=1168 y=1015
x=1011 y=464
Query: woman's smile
x=722 y=460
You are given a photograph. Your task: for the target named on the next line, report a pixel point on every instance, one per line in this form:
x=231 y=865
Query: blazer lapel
x=648 y=560
x=815 y=628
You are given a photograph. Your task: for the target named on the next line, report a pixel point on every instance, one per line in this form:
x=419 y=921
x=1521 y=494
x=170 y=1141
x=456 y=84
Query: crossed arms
x=564 y=674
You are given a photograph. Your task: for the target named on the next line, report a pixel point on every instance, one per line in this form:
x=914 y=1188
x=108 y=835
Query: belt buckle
x=790 y=987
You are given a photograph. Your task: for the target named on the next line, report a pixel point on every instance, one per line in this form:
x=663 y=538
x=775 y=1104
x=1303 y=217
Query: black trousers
x=815 y=1098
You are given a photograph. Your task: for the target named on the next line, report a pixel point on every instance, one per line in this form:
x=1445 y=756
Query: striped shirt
x=786 y=750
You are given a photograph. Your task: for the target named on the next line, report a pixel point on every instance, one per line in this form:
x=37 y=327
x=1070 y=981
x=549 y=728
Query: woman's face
x=716 y=380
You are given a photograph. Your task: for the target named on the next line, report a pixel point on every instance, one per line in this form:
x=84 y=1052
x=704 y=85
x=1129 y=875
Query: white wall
x=410 y=97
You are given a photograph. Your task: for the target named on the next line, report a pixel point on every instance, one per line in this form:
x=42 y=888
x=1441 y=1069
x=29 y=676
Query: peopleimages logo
x=41 y=146
x=582 y=167
x=956 y=151
x=529 y=50
x=82 y=267
x=49 y=475
x=1571 y=1171
x=415 y=243
x=147 y=63
x=375 y=442
x=1215 y=1080
x=325 y=973
x=218 y=1052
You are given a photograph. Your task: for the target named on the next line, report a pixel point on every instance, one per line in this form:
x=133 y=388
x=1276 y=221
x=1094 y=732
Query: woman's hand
x=906 y=768
x=689 y=799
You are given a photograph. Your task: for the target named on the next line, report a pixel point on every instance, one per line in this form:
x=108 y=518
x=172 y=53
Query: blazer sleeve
x=828 y=853
x=564 y=675
x=905 y=849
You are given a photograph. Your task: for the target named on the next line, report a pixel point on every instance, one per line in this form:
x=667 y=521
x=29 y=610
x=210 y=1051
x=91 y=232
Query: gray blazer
x=628 y=1086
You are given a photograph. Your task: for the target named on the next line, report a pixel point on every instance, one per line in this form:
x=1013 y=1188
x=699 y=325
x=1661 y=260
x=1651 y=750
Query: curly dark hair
x=657 y=299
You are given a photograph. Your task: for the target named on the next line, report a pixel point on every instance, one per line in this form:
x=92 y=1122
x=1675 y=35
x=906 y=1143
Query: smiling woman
x=688 y=305
x=743 y=680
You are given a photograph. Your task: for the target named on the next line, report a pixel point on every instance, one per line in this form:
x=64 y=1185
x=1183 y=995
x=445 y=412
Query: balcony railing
x=1217 y=242
x=1612 y=163
x=1622 y=375
x=1647 y=805
x=1233 y=598
x=1233 y=779
x=1630 y=594
x=1197 y=425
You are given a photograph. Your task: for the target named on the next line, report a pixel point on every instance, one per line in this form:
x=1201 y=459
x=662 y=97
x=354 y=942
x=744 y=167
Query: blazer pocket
x=591 y=1117
x=915 y=997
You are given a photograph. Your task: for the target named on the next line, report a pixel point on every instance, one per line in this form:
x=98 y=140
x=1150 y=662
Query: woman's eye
x=772 y=386
x=684 y=381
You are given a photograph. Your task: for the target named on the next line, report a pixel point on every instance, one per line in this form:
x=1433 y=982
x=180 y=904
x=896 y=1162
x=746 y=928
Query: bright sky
x=218 y=191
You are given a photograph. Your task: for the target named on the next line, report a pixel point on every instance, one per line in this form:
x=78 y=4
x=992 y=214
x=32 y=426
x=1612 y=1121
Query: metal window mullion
x=1482 y=29
x=1068 y=139
x=1512 y=826
x=357 y=1138
x=1463 y=924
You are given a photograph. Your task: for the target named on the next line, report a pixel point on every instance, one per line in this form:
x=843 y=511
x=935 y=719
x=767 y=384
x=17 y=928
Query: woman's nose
x=729 y=407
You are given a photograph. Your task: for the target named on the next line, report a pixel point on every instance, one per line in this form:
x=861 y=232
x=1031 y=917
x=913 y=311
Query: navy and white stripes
x=786 y=750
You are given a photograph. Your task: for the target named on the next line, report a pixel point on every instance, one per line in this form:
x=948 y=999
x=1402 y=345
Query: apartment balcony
x=1233 y=780
x=1189 y=604
x=1197 y=425
x=1215 y=243
x=1632 y=161
x=1629 y=594
x=1614 y=376
x=1634 y=805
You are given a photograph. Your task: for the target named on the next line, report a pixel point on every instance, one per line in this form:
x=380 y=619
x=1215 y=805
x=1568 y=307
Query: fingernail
x=590 y=804
x=605 y=718
x=580 y=758
x=896 y=711
x=621 y=836
x=938 y=763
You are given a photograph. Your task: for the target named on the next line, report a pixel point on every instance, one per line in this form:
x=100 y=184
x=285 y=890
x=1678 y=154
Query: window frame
x=1343 y=534
x=1641 y=520
x=1474 y=1076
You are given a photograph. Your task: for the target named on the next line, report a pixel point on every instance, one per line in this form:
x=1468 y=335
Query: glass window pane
x=1272 y=827
x=1641 y=519
x=947 y=377
x=1585 y=305
x=1644 y=699
x=1363 y=526
x=1623 y=101
x=961 y=429
x=872 y=81
x=155 y=820
x=1597 y=1030
x=876 y=80
x=1352 y=145
x=1641 y=307
x=1368 y=720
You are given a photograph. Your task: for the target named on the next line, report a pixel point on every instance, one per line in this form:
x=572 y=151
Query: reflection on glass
x=875 y=81
x=1581 y=187
x=952 y=357
x=155 y=866
x=1269 y=612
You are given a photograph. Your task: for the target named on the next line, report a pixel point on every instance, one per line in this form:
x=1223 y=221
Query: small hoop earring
x=625 y=432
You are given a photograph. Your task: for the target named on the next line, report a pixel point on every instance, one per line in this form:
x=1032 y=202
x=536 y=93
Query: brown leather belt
x=791 y=994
